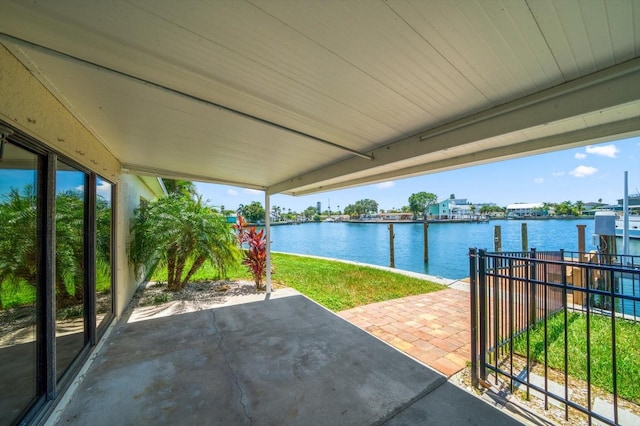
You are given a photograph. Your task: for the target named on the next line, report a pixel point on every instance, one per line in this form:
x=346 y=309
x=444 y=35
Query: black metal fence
x=560 y=325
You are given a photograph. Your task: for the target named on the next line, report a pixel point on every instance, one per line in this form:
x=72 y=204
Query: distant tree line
x=418 y=204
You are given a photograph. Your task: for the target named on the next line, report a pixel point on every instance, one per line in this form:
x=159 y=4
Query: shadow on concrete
x=273 y=362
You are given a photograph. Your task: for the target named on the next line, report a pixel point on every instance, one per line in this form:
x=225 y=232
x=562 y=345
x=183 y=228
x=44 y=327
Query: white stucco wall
x=130 y=189
x=28 y=106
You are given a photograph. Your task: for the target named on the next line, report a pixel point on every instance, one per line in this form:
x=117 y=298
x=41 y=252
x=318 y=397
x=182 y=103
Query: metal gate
x=540 y=321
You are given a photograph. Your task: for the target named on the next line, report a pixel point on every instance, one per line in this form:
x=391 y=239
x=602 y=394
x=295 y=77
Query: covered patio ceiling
x=297 y=97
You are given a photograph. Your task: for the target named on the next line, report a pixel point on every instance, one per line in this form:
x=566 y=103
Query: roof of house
x=519 y=206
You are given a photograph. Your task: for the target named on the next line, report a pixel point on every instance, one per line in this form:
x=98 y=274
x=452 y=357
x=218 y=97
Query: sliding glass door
x=19 y=293
x=56 y=272
x=70 y=285
x=104 y=253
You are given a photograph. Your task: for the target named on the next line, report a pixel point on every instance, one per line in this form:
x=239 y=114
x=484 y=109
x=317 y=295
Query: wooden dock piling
x=392 y=254
x=426 y=241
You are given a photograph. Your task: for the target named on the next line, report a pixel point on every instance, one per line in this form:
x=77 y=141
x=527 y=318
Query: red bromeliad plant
x=254 y=246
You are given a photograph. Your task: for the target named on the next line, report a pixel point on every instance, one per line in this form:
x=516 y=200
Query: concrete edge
x=61 y=405
x=400 y=408
x=512 y=408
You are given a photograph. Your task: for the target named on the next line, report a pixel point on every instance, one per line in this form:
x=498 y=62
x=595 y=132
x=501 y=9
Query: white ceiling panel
x=318 y=95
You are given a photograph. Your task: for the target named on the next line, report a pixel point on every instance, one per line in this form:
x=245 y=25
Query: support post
x=426 y=241
x=497 y=239
x=582 y=247
x=392 y=254
x=267 y=227
x=525 y=238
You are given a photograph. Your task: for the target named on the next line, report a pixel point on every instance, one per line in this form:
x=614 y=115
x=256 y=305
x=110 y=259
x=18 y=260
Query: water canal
x=449 y=243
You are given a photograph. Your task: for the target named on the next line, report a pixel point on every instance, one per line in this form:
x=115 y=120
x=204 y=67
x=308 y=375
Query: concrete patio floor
x=285 y=360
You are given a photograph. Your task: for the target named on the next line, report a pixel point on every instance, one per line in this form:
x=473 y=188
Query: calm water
x=448 y=243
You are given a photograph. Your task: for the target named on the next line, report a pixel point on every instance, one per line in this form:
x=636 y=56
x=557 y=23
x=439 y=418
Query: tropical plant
x=69 y=278
x=276 y=213
x=184 y=187
x=18 y=242
x=309 y=212
x=177 y=231
x=487 y=208
x=420 y=202
x=254 y=246
x=566 y=208
x=253 y=212
x=351 y=210
x=361 y=207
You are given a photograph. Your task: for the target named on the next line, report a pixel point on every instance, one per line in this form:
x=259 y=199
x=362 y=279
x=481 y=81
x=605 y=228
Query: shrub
x=254 y=246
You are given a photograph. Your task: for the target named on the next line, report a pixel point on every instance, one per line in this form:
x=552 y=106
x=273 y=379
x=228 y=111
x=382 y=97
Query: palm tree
x=177 y=231
x=18 y=240
x=69 y=248
x=18 y=243
x=184 y=187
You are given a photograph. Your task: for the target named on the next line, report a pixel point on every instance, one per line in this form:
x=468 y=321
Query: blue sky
x=585 y=174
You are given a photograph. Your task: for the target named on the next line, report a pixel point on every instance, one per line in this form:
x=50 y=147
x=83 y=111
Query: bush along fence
x=560 y=326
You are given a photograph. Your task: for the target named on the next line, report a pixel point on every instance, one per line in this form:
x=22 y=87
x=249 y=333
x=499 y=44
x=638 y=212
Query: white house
x=525 y=209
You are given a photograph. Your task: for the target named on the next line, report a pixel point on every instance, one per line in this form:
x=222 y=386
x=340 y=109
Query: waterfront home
x=282 y=97
x=526 y=209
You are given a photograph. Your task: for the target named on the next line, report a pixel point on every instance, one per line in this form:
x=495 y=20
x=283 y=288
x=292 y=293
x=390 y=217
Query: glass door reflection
x=70 y=266
x=104 y=235
x=18 y=281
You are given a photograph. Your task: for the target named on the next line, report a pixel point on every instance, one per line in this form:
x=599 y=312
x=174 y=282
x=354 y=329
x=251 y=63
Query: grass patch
x=17 y=295
x=335 y=285
x=627 y=344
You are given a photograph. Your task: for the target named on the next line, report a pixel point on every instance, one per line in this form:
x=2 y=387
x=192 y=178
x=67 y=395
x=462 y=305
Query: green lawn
x=17 y=295
x=335 y=285
x=627 y=344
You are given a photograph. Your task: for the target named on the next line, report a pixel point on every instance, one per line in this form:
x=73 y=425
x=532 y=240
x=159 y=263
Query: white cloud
x=556 y=174
x=580 y=155
x=104 y=189
x=582 y=171
x=251 y=191
x=539 y=180
x=383 y=185
x=232 y=192
x=605 y=151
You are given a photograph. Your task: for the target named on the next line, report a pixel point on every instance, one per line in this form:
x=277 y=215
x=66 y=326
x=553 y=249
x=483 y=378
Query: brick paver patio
x=434 y=328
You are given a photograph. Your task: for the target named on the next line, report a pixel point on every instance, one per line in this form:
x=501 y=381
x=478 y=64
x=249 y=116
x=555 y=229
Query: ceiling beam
x=592 y=135
x=599 y=91
x=123 y=74
x=138 y=169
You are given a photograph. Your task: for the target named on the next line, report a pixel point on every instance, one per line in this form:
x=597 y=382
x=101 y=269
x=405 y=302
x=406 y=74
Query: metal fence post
x=533 y=275
x=482 y=305
x=474 y=316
